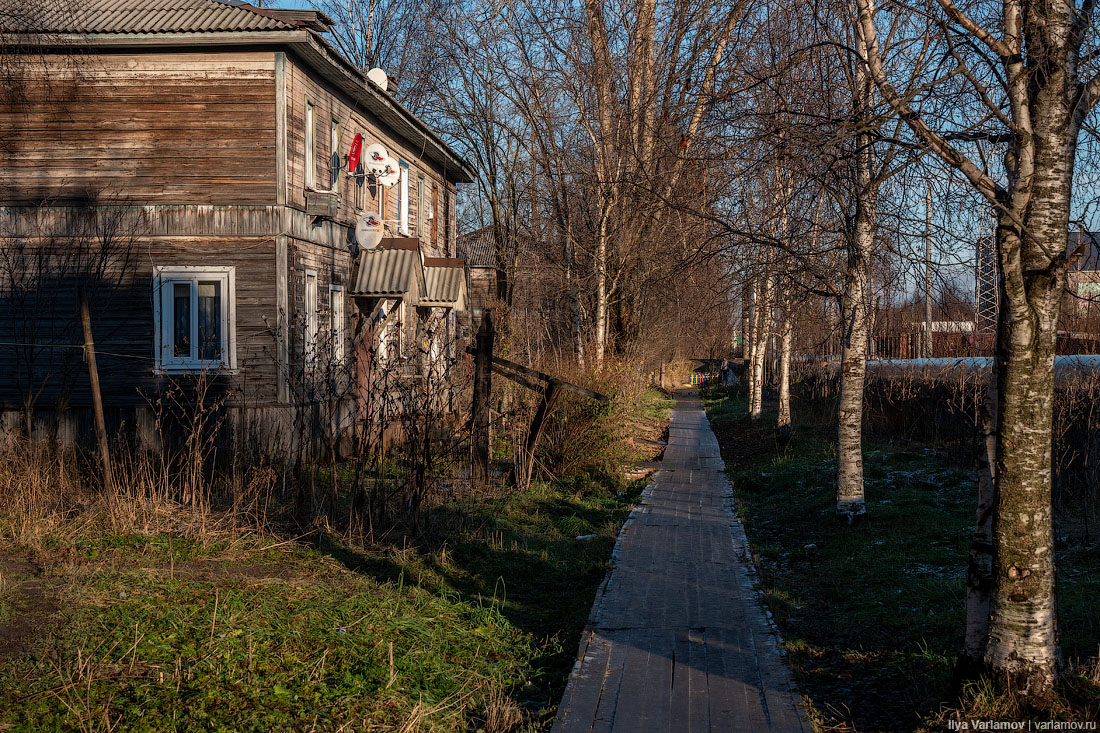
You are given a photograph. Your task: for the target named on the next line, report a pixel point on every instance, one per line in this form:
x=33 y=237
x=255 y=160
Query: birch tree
x=1016 y=74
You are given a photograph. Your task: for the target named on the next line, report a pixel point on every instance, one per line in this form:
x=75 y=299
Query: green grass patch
x=872 y=613
x=481 y=621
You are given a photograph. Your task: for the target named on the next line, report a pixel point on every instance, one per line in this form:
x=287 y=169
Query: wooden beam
x=519 y=369
x=519 y=379
x=483 y=388
x=525 y=466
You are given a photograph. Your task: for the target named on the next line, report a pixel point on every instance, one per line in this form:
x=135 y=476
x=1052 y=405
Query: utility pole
x=926 y=342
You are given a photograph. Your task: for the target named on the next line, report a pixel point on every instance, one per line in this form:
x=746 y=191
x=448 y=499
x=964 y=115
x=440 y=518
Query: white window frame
x=403 y=199
x=164 y=278
x=311 y=145
x=337 y=323
x=310 y=322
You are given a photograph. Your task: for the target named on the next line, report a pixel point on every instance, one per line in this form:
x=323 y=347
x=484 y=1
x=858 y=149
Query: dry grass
x=47 y=491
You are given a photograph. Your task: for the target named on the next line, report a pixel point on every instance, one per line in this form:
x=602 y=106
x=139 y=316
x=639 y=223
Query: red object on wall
x=356 y=151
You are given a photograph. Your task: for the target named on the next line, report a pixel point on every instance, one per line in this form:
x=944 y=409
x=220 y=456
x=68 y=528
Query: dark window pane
x=210 y=322
x=181 y=319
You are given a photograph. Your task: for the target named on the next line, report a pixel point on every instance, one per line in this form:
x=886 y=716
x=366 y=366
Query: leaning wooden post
x=483 y=390
x=527 y=464
x=97 y=397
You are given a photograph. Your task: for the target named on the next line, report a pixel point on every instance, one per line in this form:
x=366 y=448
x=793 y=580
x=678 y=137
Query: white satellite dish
x=389 y=174
x=379 y=78
x=368 y=230
x=376 y=157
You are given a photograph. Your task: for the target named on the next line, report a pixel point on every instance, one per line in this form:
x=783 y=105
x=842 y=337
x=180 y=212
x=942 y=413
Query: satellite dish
x=389 y=174
x=368 y=230
x=360 y=174
x=376 y=158
x=356 y=151
x=334 y=169
x=379 y=78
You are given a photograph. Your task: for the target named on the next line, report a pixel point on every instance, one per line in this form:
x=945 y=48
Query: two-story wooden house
x=208 y=143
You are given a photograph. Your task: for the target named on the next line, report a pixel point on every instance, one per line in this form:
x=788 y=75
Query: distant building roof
x=479 y=247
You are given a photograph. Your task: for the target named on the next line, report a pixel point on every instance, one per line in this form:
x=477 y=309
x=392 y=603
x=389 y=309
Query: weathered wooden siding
x=483 y=287
x=123 y=325
x=147 y=127
x=302 y=85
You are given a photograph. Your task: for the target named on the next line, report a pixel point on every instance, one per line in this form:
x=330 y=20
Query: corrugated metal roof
x=149 y=16
x=444 y=284
x=389 y=273
x=477 y=247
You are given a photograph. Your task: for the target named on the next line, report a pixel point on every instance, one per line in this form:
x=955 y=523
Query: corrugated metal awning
x=445 y=284
x=394 y=271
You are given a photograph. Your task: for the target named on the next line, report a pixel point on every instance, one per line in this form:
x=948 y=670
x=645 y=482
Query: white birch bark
x=783 y=422
x=855 y=315
x=762 y=329
x=1044 y=114
x=850 y=499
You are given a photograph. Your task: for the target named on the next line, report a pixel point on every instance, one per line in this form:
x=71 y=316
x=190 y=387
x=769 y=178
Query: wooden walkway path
x=678 y=639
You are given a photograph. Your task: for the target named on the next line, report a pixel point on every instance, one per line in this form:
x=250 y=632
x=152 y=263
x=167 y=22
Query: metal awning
x=445 y=283
x=393 y=269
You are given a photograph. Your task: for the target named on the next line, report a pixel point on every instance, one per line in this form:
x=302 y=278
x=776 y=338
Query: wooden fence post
x=97 y=397
x=526 y=465
x=483 y=390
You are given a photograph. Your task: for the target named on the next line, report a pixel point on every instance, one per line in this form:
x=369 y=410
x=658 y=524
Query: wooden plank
x=692 y=645
x=526 y=463
x=535 y=374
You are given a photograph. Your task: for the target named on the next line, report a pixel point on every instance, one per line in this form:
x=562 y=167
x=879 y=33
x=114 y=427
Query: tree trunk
x=787 y=333
x=601 y=291
x=762 y=323
x=574 y=298
x=1022 y=650
x=979 y=567
x=746 y=325
x=853 y=365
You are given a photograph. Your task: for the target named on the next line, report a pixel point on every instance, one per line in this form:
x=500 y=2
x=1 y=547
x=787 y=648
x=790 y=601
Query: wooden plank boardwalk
x=678 y=639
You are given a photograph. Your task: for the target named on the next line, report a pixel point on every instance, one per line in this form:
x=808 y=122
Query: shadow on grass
x=872 y=613
x=519 y=555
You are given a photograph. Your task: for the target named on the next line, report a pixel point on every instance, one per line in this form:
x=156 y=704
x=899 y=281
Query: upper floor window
x=421 y=208
x=193 y=313
x=339 y=316
x=403 y=200
x=434 y=216
x=334 y=154
x=360 y=180
x=311 y=147
x=309 y=324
